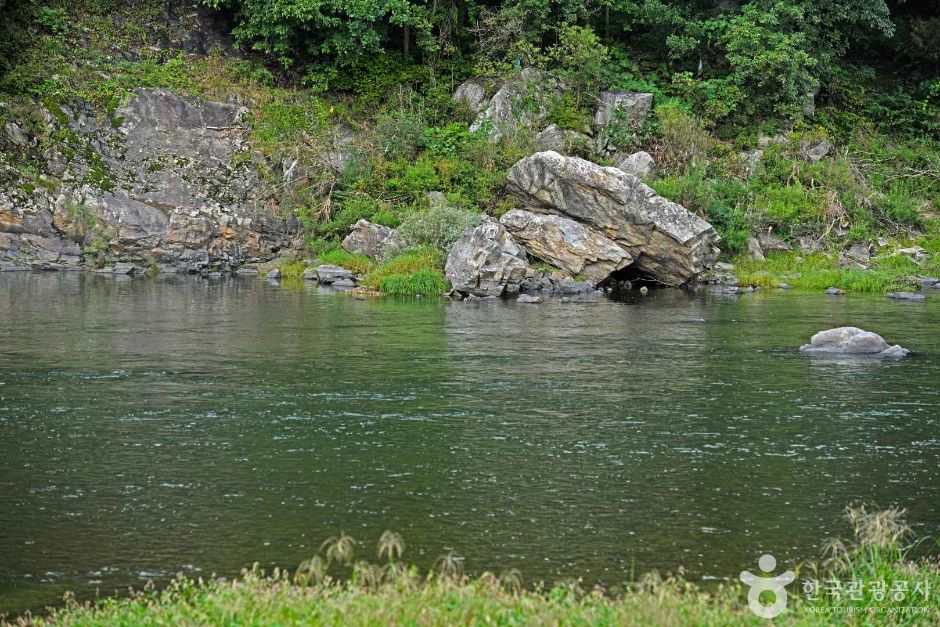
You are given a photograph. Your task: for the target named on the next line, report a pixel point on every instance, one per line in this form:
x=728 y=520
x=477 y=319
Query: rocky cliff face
x=162 y=181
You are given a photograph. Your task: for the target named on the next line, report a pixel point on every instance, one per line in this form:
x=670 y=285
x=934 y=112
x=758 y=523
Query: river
x=176 y=424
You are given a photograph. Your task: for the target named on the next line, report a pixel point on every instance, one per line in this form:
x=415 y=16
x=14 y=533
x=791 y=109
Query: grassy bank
x=874 y=579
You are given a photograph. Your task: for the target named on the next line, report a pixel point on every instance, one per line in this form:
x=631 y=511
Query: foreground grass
x=871 y=580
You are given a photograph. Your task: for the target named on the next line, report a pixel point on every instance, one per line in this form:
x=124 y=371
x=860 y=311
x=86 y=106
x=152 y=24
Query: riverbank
x=873 y=578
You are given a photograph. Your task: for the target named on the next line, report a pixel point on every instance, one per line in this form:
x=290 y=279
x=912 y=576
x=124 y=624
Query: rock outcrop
x=473 y=94
x=486 y=261
x=520 y=103
x=667 y=243
x=851 y=341
x=164 y=181
x=567 y=244
x=636 y=105
x=372 y=240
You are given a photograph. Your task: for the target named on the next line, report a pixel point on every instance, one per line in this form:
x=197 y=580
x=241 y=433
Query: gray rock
x=568 y=286
x=639 y=164
x=329 y=274
x=274 y=274
x=526 y=299
x=473 y=93
x=754 y=249
x=310 y=274
x=163 y=180
x=668 y=243
x=851 y=340
x=835 y=291
x=859 y=253
x=927 y=281
x=563 y=141
x=751 y=160
x=372 y=240
x=124 y=268
x=566 y=244
x=15 y=134
x=724 y=267
x=638 y=106
x=908 y=296
x=343 y=283
x=770 y=243
x=808 y=245
x=512 y=107
x=815 y=152
x=784 y=286
x=486 y=261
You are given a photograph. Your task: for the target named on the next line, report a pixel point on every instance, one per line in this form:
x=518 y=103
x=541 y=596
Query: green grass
x=336 y=588
x=412 y=273
x=357 y=264
x=821 y=271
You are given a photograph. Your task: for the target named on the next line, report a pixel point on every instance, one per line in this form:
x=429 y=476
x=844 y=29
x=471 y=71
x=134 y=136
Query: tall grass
x=334 y=588
x=417 y=272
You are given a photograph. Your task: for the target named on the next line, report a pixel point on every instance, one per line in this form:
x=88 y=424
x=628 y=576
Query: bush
x=683 y=141
x=438 y=226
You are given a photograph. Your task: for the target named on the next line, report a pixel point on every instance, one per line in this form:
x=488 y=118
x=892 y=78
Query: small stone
x=724 y=267
x=215 y=275
x=644 y=290
x=526 y=299
x=927 y=281
x=835 y=291
x=908 y=296
x=343 y=283
x=784 y=286
x=274 y=274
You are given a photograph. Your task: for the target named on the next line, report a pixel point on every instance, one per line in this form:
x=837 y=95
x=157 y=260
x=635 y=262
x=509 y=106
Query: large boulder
x=567 y=244
x=637 y=106
x=520 y=103
x=372 y=240
x=486 y=261
x=669 y=244
x=851 y=341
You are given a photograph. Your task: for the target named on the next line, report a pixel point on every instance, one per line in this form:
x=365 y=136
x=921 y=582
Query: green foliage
x=416 y=272
x=358 y=264
x=820 y=271
x=438 y=226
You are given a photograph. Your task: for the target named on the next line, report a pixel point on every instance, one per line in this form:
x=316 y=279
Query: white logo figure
x=759 y=584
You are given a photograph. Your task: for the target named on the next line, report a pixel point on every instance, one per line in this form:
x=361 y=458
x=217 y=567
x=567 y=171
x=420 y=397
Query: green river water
x=174 y=424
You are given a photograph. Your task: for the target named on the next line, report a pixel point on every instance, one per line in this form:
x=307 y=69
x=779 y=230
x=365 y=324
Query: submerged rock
x=668 y=243
x=526 y=299
x=909 y=296
x=486 y=261
x=851 y=341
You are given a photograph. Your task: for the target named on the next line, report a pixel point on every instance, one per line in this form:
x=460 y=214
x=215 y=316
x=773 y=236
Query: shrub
x=682 y=140
x=438 y=226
